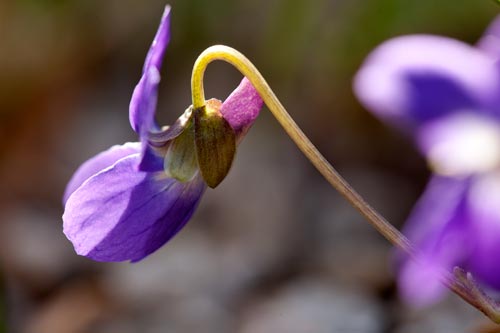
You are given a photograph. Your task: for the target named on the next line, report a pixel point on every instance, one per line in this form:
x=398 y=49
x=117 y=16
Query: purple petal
x=160 y=43
x=151 y=159
x=160 y=138
x=439 y=227
x=242 y=107
x=412 y=79
x=154 y=151
x=461 y=144
x=124 y=214
x=419 y=283
x=483 y=199
x=143 y=102
x=490 y=42
x=97 y=163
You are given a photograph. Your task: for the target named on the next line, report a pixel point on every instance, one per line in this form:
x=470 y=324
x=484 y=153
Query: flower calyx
x=180 y=161
x=206 y=143
x=215 y=142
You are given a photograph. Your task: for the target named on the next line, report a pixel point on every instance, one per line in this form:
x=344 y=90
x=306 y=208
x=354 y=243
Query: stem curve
x=393 y=235
x=240 y=62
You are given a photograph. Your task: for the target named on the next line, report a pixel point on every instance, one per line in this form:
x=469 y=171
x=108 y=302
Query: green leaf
x=215 y=142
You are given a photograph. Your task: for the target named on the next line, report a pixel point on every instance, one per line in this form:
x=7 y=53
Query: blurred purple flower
x=446 y=95
x=123 y=204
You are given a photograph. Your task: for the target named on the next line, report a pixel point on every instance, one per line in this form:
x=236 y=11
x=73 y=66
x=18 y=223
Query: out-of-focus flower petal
x=419 y=283
x=97 y=163
x=490 y=42
x=242 y=107
x=439 y=228
x=484 y=209
x=445 y=93
x=412 y=79
x=460 y=144
x=124 y=214
x=143 y=102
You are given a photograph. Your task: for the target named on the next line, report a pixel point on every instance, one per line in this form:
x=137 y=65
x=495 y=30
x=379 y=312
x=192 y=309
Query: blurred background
x=274 y=248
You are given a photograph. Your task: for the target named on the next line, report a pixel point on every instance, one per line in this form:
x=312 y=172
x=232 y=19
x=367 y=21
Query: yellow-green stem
x=240 y=62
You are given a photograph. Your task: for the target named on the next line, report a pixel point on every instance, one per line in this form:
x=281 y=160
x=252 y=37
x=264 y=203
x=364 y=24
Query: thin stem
x=482 y=301
x=238 y=60
x=393 y=235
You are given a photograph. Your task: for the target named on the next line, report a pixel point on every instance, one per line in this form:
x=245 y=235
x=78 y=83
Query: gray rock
x=314 y=306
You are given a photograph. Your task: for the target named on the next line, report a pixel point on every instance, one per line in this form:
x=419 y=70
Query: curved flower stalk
x=446 y=95
x=126 y=202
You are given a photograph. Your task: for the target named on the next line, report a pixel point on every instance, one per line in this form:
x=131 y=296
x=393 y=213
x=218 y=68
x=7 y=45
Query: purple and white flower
x=125 y=203
x=446 y=95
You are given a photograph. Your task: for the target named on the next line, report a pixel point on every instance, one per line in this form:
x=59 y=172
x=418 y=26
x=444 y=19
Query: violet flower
x=126 y=202
x=446 y=95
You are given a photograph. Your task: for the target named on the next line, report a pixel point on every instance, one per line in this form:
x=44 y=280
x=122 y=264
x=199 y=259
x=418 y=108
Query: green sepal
x=215 y=142
x=180 y=161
